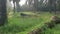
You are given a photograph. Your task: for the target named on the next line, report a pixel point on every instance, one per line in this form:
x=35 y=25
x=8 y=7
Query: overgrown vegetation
x=20 y=25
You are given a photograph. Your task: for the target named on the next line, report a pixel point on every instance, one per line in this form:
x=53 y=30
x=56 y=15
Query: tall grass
x=19 y=25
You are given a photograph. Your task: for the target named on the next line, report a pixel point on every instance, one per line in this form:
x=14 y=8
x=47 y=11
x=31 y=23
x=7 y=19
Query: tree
x=55 y=6
x=29 y=2
x=58 y=5
x=36 y=4
x=52 y=5
x=17 y=5
x=3 y=12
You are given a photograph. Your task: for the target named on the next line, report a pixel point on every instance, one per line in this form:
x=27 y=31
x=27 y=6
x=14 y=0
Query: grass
x=55 y=30
x=18 y=25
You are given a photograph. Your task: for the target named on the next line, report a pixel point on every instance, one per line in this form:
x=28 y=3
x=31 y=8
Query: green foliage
x=55 y=30
x=20 y=25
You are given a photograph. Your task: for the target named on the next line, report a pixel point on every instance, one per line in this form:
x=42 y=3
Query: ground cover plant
x=24 y=25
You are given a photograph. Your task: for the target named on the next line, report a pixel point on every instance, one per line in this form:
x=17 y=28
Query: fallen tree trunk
x=54 y=20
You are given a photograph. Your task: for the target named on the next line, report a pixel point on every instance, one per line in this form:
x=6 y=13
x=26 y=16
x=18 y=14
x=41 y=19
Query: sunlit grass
x=20 y=25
